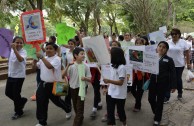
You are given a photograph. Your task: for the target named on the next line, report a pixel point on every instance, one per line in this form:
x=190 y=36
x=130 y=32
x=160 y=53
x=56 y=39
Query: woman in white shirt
x=16 y=76
x=177 y=47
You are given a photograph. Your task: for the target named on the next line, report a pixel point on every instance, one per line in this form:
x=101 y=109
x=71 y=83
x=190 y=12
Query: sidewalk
x=176 y=113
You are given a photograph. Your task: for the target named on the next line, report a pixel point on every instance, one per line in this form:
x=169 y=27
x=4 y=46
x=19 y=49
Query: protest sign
x=157 y=36
x=163 y=29
x=105 y=73
x=146 y=61
x=64 y=33
x=98 y=46
x=6 y=38
x=33 y=28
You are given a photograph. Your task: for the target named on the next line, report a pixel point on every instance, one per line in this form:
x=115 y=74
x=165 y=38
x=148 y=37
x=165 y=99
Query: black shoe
x=166 y=100
x=156 y=123
x=24 y=100
x=16 y=116
x=99 y=107
x=179 y=96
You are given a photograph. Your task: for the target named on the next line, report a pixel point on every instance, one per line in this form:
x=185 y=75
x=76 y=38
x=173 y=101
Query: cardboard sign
x=33 y=28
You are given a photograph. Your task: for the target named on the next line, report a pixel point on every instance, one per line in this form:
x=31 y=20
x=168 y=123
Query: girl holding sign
x=162 y=82
x=139 y=78
x=117 y=90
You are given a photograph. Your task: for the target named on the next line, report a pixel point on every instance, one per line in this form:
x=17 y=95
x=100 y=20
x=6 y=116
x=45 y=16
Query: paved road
x=176 y=113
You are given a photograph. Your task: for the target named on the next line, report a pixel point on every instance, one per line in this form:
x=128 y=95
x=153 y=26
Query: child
x=117 y=91
x=78 y=74
x=69 y=60
x=50 y=71
x=104 y=118
x=16 y=76
x=138 y=79
x=164 y=81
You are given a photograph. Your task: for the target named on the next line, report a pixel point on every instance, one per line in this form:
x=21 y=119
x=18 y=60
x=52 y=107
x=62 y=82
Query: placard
x=98 y=46
x=33 y=28
x=145 y=61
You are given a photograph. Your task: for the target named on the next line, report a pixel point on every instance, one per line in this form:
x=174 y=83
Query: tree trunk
x=116 y=29
x=39 y=4
x=169 y=12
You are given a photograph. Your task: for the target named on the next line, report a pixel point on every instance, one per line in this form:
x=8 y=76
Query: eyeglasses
x=19 y=43
x=174 y=34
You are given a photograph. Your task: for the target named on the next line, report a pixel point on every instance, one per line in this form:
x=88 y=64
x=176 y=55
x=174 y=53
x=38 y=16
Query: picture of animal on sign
x=90 y=54
x=135 y=55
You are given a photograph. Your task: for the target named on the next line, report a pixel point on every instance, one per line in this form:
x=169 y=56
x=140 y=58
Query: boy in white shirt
x=78 y=74
x=50 y=71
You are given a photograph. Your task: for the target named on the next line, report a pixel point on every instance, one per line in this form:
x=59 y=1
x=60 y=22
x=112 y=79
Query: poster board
x=142 y=60
x=98 y=45
x=163 y=29
x=64 y=33
x=105 y=73
x=157 y=36
x=33 y=28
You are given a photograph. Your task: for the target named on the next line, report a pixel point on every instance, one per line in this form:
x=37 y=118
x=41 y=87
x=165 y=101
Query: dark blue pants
x=179 y=72
x=43 y=94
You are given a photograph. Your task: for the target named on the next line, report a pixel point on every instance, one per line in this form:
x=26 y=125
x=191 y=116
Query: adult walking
x=178 y=50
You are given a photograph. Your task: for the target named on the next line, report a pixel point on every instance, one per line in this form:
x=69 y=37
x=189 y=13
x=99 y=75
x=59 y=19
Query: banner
x=33 y=28
x=98 y=46
x=64 y=33
x=142 y=60
x=6 y=38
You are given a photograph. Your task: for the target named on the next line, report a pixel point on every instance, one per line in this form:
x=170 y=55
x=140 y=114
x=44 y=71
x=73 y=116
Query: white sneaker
x=39 y=125
x=68 y=115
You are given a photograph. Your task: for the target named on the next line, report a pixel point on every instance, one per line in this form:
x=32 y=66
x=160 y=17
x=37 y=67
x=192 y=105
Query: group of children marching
x=70 y=65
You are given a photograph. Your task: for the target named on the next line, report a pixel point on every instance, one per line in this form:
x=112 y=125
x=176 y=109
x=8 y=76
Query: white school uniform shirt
x=69 y=56
x=17 y=69
x=176 y=51
x=74 y=75
x=189 y=43
x=116 y=91
x=50 y=75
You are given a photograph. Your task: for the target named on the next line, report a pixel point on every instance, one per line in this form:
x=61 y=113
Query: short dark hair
x=121 y=37
x=53 y=45
x=76 y=51
x=72 y=40
x=118 y=43
x=165 y=43
x=76 y=38
x=146 y=40
x=140 y=39
x=117 y=57
x=18 y=37
x=177 y=31
x=53 y=38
